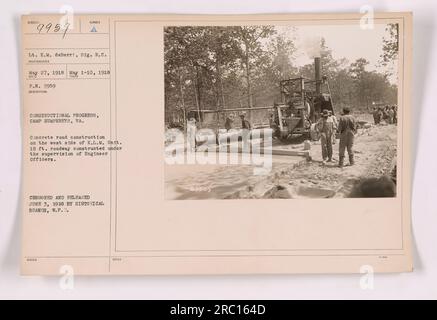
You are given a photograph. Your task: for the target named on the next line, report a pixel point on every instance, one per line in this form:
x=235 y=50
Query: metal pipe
x=237 y=109
x=318 y=75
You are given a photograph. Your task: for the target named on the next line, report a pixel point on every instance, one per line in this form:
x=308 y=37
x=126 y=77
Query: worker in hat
x=245 y=124
x=326 y=128
x=395 y=114
x=246 y=127
x=377 y=115
x=390 y=115
x=347 y=128
x=191 y=134
x=229 y=122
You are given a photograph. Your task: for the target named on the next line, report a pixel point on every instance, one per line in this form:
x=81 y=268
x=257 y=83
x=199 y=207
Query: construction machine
x=302 y=102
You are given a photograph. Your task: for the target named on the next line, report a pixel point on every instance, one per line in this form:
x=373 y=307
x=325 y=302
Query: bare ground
x=290 y=176
x=375 y=156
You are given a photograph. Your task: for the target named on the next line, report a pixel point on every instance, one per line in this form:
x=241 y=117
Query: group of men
x=229 y=124
x=388 y=113
x=328 y=126
x=245 y=124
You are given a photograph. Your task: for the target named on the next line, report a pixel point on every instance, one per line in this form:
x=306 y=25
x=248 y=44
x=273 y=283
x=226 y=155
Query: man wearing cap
x=246 y=126
x=326 y=127
x=191 y=134
x=377 y=115
x=347 y=128
x=395 y=114
x=229 y=122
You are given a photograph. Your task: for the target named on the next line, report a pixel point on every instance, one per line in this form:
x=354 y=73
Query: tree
x=281 y=50
x=370 y=86
x=277 y=65
x=253 y=54
x=390 y=47
x=223 y=51
x=215 y=67
x=359 y=77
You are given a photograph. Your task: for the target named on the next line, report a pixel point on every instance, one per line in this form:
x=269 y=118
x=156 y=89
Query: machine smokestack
x=318 y=76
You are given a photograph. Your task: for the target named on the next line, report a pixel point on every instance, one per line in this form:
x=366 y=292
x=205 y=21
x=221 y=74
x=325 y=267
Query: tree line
x=214 y=67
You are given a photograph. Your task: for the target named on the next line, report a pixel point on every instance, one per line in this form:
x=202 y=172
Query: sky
x=345 y=41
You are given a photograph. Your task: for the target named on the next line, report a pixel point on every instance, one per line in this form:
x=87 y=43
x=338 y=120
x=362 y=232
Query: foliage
x=390 y=48
x=216 y=67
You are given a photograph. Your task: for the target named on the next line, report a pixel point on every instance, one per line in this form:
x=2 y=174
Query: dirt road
x=375 y=156
x=290 y=177
x=218 y=181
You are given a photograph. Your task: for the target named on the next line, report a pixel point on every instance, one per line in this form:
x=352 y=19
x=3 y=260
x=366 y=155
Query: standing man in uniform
x=376 y=115
x=347 y=127
x=191 y=135
x=391 y=114
x=246 y=127
x=385 y=114
x=395 y=114
x=326 y=127
x=245 y=124
x=229 y=123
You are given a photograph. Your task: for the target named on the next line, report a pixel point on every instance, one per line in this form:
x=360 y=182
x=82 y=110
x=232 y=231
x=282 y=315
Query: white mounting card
x=216 y=144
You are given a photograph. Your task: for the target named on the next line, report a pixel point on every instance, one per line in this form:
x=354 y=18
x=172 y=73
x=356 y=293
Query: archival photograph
x=281 y=111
